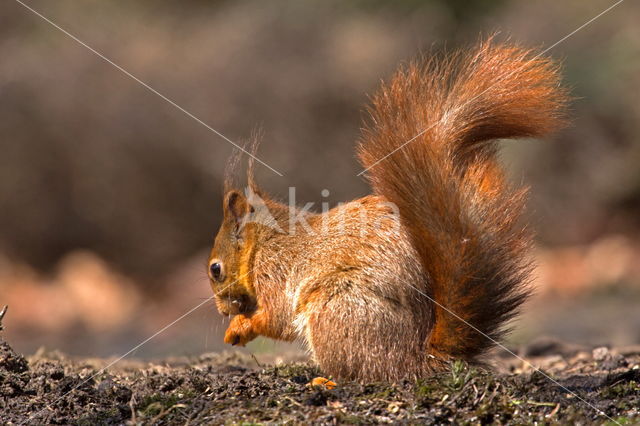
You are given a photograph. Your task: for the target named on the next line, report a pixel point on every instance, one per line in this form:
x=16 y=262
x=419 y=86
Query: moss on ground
x=234 y=390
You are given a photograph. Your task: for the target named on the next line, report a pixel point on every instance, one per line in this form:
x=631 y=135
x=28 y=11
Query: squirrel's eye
x=216 y=271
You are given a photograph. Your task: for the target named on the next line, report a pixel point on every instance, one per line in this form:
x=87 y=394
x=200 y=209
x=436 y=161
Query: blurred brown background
x=109 y=196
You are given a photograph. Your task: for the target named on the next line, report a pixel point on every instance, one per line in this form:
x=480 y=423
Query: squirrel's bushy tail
x=430 y=147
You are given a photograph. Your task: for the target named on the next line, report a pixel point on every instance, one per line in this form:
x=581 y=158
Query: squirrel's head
x=248 y=221
x=228 y=266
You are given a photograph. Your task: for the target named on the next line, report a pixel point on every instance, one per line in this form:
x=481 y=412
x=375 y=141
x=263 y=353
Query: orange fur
x=461 y=214
x=244 y=328
x=386 y=287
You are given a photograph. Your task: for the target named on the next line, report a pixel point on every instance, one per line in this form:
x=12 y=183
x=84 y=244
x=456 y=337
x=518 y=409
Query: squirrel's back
x=430 y=147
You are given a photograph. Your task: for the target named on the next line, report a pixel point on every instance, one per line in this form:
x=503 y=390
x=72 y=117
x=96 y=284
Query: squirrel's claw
x=240 y=331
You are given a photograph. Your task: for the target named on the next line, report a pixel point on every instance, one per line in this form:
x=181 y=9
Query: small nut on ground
x=321 y=381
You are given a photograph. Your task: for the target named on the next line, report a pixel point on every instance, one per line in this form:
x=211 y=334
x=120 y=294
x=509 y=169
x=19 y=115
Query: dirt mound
x=223 y=388
x=11 y=362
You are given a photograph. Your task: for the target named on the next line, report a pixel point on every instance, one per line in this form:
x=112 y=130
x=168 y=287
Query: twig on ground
x=132 y=405
x=256 y=360
x=2 y=313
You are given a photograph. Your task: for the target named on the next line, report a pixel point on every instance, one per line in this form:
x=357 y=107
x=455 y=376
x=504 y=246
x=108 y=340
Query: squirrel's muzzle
x=230 y=304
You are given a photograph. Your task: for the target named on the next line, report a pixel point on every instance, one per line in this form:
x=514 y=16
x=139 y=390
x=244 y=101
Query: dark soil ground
x=49 y=388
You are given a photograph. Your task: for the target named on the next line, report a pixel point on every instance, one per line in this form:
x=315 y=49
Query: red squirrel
x=431 y=265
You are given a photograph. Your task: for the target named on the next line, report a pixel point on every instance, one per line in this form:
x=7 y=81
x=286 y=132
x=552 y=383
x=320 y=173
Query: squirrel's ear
x=236 y=207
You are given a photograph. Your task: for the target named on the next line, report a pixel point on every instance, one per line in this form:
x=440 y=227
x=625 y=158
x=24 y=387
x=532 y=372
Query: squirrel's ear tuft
x=236 y=206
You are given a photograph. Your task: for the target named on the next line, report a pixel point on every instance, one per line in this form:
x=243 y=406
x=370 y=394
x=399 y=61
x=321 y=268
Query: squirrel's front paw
x=240 y=331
